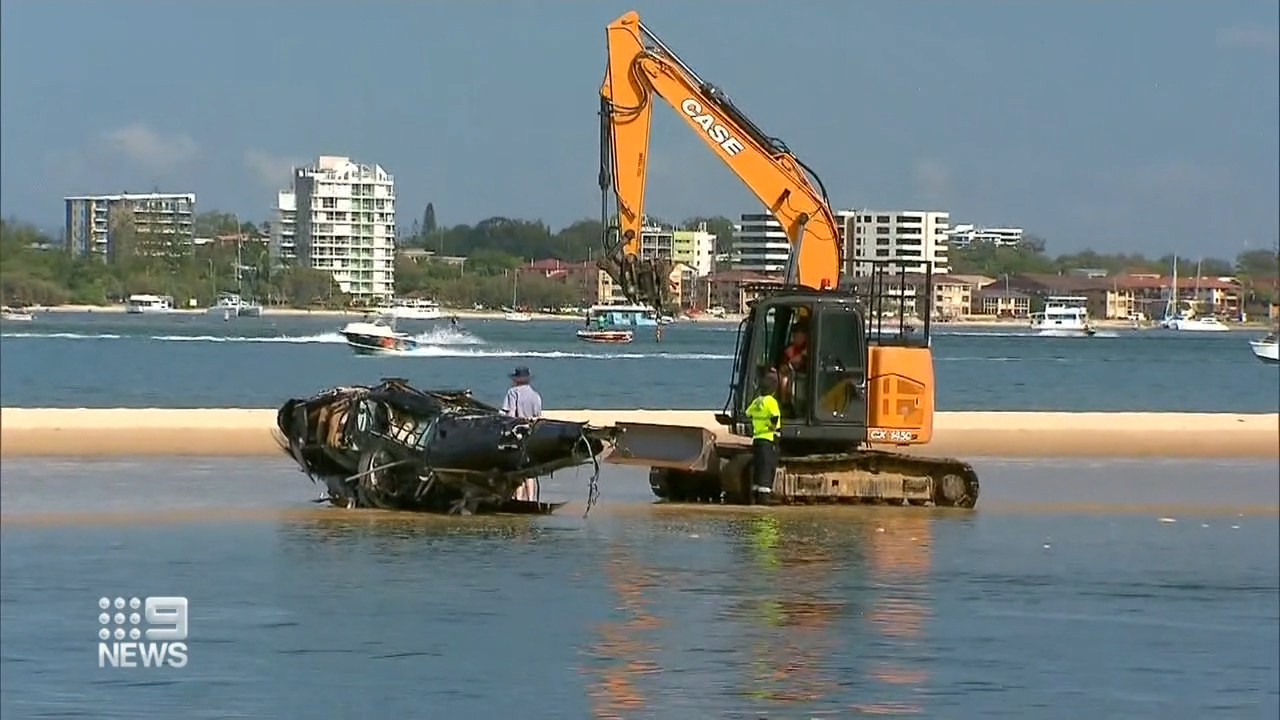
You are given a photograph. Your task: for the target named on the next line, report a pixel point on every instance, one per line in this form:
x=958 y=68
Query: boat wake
x=445 y=351
x=435 y=336
x=435 y=343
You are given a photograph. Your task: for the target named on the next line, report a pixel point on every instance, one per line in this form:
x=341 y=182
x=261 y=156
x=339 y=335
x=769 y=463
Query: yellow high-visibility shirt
x=766 y=418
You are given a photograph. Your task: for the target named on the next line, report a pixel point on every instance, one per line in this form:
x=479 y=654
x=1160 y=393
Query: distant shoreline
x=461 y=314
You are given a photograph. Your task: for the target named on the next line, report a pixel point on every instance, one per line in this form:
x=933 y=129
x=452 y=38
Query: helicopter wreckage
x=395 y=447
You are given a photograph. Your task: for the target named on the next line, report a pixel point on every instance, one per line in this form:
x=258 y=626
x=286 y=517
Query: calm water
x=1103 y=589
x=201 y=361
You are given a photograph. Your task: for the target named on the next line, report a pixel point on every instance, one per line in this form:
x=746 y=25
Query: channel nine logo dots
x=119 y=618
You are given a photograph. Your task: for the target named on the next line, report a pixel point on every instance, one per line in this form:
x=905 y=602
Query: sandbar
x=229 y=432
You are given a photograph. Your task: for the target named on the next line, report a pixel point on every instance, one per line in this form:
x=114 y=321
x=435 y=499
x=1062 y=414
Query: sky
x=1118 y=126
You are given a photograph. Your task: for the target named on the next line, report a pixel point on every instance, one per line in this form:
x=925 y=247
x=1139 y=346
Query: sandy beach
x=249 y=432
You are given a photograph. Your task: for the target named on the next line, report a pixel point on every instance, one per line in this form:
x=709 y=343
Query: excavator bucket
x=677 y=447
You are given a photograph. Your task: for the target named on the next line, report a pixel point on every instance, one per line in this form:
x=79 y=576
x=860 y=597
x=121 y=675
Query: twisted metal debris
x=396 y=447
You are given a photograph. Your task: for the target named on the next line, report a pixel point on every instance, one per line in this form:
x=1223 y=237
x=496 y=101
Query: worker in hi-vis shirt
x=766 y=419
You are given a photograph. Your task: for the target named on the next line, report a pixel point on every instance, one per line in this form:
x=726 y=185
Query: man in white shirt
x=522 y=401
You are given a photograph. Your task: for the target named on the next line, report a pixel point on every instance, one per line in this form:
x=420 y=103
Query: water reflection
x=900 y=554
x=622 y=651
x=820 y=613
x=791 y=616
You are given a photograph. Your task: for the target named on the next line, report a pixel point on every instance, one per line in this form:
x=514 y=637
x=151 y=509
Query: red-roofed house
x=1206 y=295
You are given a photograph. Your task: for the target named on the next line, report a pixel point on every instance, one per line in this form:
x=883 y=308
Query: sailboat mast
x=238 y=238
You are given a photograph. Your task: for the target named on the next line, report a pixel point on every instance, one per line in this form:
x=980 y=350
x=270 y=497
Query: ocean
x=1077 y=589
x=115 y=360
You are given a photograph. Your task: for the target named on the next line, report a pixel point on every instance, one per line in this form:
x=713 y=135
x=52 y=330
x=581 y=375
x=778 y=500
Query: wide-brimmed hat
x=521 y=373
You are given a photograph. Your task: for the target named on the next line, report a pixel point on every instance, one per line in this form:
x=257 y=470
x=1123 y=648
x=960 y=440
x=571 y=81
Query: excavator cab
x=844 y=380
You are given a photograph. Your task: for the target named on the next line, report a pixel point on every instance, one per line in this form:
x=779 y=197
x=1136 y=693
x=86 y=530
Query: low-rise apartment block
x=112 y=226
x=897 y=239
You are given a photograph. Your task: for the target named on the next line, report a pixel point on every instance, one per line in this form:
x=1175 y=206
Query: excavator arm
x=640 y=67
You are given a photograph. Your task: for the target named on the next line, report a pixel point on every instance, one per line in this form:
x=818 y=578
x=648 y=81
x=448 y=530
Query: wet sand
x=244 y=432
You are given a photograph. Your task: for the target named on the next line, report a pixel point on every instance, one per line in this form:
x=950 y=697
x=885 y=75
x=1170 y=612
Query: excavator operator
x=796 y=355
x=794 y=359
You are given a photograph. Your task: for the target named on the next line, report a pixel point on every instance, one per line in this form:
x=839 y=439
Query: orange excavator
x=848 y=383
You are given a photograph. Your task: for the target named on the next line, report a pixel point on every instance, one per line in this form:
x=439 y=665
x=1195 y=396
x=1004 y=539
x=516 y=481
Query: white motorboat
x=1063 y=316
x=1267 y=349
x=230 y=305
x=413 y=309
x=148 y=304
x=376 y=335
x=15 y=315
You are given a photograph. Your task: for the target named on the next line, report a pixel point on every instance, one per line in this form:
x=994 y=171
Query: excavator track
x=862 y=477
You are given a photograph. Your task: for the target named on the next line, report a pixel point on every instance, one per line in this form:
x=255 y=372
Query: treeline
x=30 y=275
x=525 y=240
x=1257 y=268
x=492 y=249
x=492 y=287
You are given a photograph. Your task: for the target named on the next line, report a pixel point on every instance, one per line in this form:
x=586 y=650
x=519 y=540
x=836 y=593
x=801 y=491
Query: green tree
x=429 y=220
x=215 y=222
x=718 y=225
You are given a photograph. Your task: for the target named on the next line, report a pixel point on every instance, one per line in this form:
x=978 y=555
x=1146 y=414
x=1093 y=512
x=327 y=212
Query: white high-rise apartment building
x=346 y=225
x=905 y=239
x=284 y=227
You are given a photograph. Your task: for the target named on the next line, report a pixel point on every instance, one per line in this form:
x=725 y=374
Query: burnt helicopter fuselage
x=394 y=446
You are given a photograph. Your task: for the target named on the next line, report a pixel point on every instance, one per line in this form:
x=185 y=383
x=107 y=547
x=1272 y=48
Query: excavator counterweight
x=848 y=387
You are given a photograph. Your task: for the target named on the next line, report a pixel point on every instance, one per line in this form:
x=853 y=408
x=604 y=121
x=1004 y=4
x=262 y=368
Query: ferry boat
x=377 y=335
x=413 y=309
x=230 y=305
x=148 y=304
x=1063 y=316
x=606 y=336
x=1268 y=348
x=622 y=316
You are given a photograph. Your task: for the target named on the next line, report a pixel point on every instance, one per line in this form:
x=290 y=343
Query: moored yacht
x=413 y=309
x=231 y=305
x=1204 y=323
x=15 y=314
x=148 y=304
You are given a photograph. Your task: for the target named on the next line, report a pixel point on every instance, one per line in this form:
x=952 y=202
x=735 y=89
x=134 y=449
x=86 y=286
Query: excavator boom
x=640 y=67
